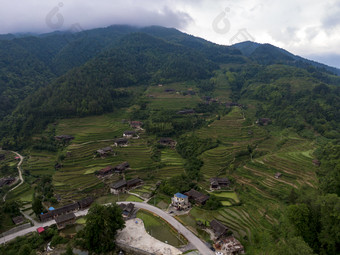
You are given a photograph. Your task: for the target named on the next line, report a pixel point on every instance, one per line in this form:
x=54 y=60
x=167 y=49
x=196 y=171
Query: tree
x=68 y=251
x=37 y=206
x=102 y=224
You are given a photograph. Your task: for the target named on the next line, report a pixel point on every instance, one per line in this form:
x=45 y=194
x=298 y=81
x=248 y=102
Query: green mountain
x=268 y=54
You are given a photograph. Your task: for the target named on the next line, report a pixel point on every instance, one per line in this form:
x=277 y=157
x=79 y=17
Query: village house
x=121 y=142
x=219 y=183
x=169 y=90
x=57 y=166
x=123 y=185
x=2 y=156
x=136 y=124
x=118 y=187
x=127 y=210
x=277 y=175
x=104 y=151
x=64 y=138
x=70 y=208
x=189 y=111
x=6 y=181
x=130 y=134
x=167 y=142
x=85 y=202
x=218 y=228
x=105 y=171
x=264 y=121
x=64 y=220
x=121 y=167
x=197 y=197
x=18 y=220
x=180 y=201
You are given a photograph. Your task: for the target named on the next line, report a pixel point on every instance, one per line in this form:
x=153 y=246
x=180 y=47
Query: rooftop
x=180 y=195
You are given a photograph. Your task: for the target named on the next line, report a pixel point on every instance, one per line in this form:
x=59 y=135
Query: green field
x=159 y=229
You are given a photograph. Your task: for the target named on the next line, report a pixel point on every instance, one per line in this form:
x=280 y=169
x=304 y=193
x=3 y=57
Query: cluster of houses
x=118 y=169
x=65 y=215
x=223 y=242
x=183 y=201
x=125 y=185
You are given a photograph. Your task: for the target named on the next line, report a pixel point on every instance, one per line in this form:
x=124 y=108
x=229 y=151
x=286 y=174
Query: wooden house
x=167 y=142
x=127 y=210
x=121 y=167
x=118 y=187
x=64 y=138
x=218 y=183
x=105 y=171
x=104 y=151
x=18 y=220
x=264 y=121
x=316 y=162
x=129 y=134
x=121 y=142
x=6 y=181
x=218 y=228
x=86 y=202
x=136 y=124
x=64 y=220
x=196 y=196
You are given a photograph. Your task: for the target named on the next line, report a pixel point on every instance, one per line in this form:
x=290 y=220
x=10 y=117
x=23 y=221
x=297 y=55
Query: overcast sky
x=309 y=28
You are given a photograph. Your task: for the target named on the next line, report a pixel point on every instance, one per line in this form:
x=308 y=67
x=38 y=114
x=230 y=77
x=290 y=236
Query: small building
x=133 y=183
x=57 y=166
x=123 y=185
x=129 y=134
x=105 y=171
x=6 y=181
x=2 y=156
x=121 y=142
x=180 y=201
x=277 y=175
x=104 y=151
x=219 y=183
x=18 y=220
x=169 y=90
x=198 y=197
x=127 y=210
x=189 y=111
x=167 y=142
x=316 y=162
x=65 y=209
x=40 y=230
x=85 y=202
x=64 y=220
x=264 y=121
x=136 y=124
x=121 y=167
x=118 y=187
x=218 y=228
x=64 y=138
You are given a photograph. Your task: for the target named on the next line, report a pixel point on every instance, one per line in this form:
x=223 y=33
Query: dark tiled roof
x=133 y=182
x=65 y=217
x=119 y=184
x=121 y=140
x=18 y=220
x=197 y=196
x=220 y=181
x=129 y=132
x=66 y=209
x=218 y=228
x=105 y=170
x=85 y=202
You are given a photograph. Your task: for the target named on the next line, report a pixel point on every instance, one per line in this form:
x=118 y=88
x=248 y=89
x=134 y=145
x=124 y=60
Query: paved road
x=200 y=246
x=20 y=174
x=194 y=240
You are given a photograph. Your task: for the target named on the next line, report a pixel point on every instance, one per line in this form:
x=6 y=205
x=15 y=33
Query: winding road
x=20 y=174
x=194 y=240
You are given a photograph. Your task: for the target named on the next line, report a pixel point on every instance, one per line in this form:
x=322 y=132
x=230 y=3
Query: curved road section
x=194 y=240
x=20 y=174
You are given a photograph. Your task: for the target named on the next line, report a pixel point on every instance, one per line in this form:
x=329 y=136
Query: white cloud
x=303 y=27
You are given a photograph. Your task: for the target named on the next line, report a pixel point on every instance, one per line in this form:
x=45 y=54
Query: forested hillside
x=256 y=114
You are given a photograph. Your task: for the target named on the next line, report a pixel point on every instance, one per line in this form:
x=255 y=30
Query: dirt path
x=20 y=174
